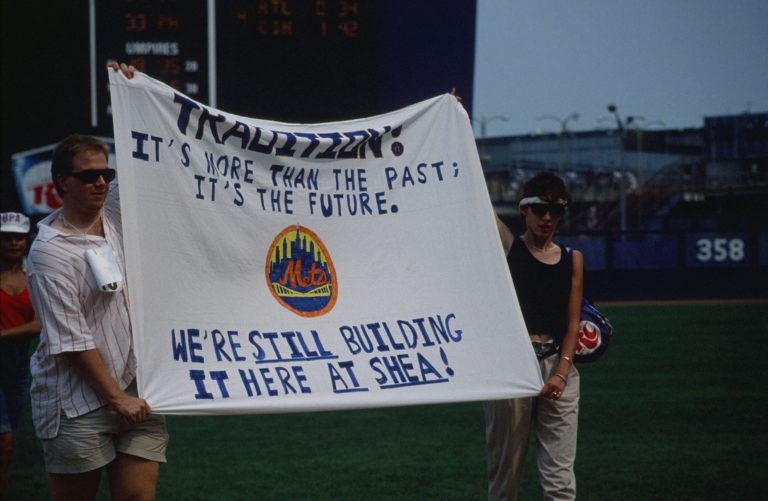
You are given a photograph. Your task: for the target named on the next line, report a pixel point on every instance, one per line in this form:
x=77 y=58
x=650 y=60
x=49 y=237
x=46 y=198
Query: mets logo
x=300 y=273
x=589 y=338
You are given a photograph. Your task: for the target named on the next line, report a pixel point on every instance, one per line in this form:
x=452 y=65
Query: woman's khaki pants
x=507 y=431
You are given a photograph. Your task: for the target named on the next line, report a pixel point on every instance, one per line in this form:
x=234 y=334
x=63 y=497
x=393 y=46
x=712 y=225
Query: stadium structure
x=659 y=213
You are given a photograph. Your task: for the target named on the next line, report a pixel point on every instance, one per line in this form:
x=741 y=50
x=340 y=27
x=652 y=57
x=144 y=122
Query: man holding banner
x=84 y=402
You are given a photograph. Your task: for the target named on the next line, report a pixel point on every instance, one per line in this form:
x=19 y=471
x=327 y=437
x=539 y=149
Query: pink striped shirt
x=76 y=316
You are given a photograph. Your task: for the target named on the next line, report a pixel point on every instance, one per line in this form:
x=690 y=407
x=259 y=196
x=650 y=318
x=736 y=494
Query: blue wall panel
x=595 y=250
x=762 y=241
x=645 y=254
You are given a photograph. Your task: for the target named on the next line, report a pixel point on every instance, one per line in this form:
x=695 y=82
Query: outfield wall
x=683 y=265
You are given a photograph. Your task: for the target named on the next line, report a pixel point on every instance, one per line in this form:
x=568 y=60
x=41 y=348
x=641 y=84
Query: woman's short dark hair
x=547 y=186
x=61 y=163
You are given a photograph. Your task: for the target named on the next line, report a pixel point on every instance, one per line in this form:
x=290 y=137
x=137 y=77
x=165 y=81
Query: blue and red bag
x=595 y=333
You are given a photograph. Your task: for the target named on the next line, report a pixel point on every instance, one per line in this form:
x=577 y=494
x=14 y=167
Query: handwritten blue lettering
x=292 y=380
x=293 y=343
x=422 y=331
x=331 y=145
x=339 y=381
x=187 y=345
x=397 y=371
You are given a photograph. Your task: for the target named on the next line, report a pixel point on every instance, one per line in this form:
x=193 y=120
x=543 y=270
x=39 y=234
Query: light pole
x=623 y=168
x=563 y=131
x=484 y=121
x=641 y=167
x=640 y=126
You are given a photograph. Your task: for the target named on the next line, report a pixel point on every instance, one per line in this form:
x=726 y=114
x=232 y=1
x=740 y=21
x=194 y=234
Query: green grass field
x=676 y=410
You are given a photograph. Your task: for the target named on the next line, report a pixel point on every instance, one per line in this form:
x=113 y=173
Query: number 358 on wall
x=716 y=250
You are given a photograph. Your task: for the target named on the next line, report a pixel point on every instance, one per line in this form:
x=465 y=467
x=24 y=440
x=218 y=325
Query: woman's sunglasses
x=91 y=176
x=556 y=210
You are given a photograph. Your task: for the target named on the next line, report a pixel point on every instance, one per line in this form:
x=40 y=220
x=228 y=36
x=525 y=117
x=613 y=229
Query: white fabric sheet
x=275 y=267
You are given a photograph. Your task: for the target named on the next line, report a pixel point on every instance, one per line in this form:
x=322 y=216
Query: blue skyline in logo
x=303 y=280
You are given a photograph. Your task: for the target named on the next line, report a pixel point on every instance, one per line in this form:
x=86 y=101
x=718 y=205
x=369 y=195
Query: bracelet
x=567 y=358
x=562 y=378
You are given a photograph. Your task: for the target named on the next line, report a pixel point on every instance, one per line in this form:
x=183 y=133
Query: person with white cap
x=17 y=326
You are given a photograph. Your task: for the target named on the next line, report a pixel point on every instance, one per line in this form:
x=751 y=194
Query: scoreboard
x=288 y=60
x=168 y=40
x=297 y=61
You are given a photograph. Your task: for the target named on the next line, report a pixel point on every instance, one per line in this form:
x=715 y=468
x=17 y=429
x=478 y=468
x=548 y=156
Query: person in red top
x=17 y=325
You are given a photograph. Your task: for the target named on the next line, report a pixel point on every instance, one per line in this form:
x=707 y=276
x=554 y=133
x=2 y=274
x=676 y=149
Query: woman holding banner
x=549 y=280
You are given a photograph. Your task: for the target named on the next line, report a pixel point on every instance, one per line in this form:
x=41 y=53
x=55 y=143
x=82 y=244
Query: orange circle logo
x=300 y=273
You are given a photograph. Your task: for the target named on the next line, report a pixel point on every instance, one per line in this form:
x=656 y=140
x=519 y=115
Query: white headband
x=537 y=200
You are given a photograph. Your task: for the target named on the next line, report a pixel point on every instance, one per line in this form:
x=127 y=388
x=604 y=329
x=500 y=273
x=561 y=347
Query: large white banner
x=277 y=267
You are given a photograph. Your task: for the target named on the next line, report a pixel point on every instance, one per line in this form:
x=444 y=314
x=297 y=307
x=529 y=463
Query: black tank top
x=542 y=290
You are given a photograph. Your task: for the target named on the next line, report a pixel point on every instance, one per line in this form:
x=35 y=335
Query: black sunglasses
x=556 y=210
x=91 y=176
x=12 y=236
